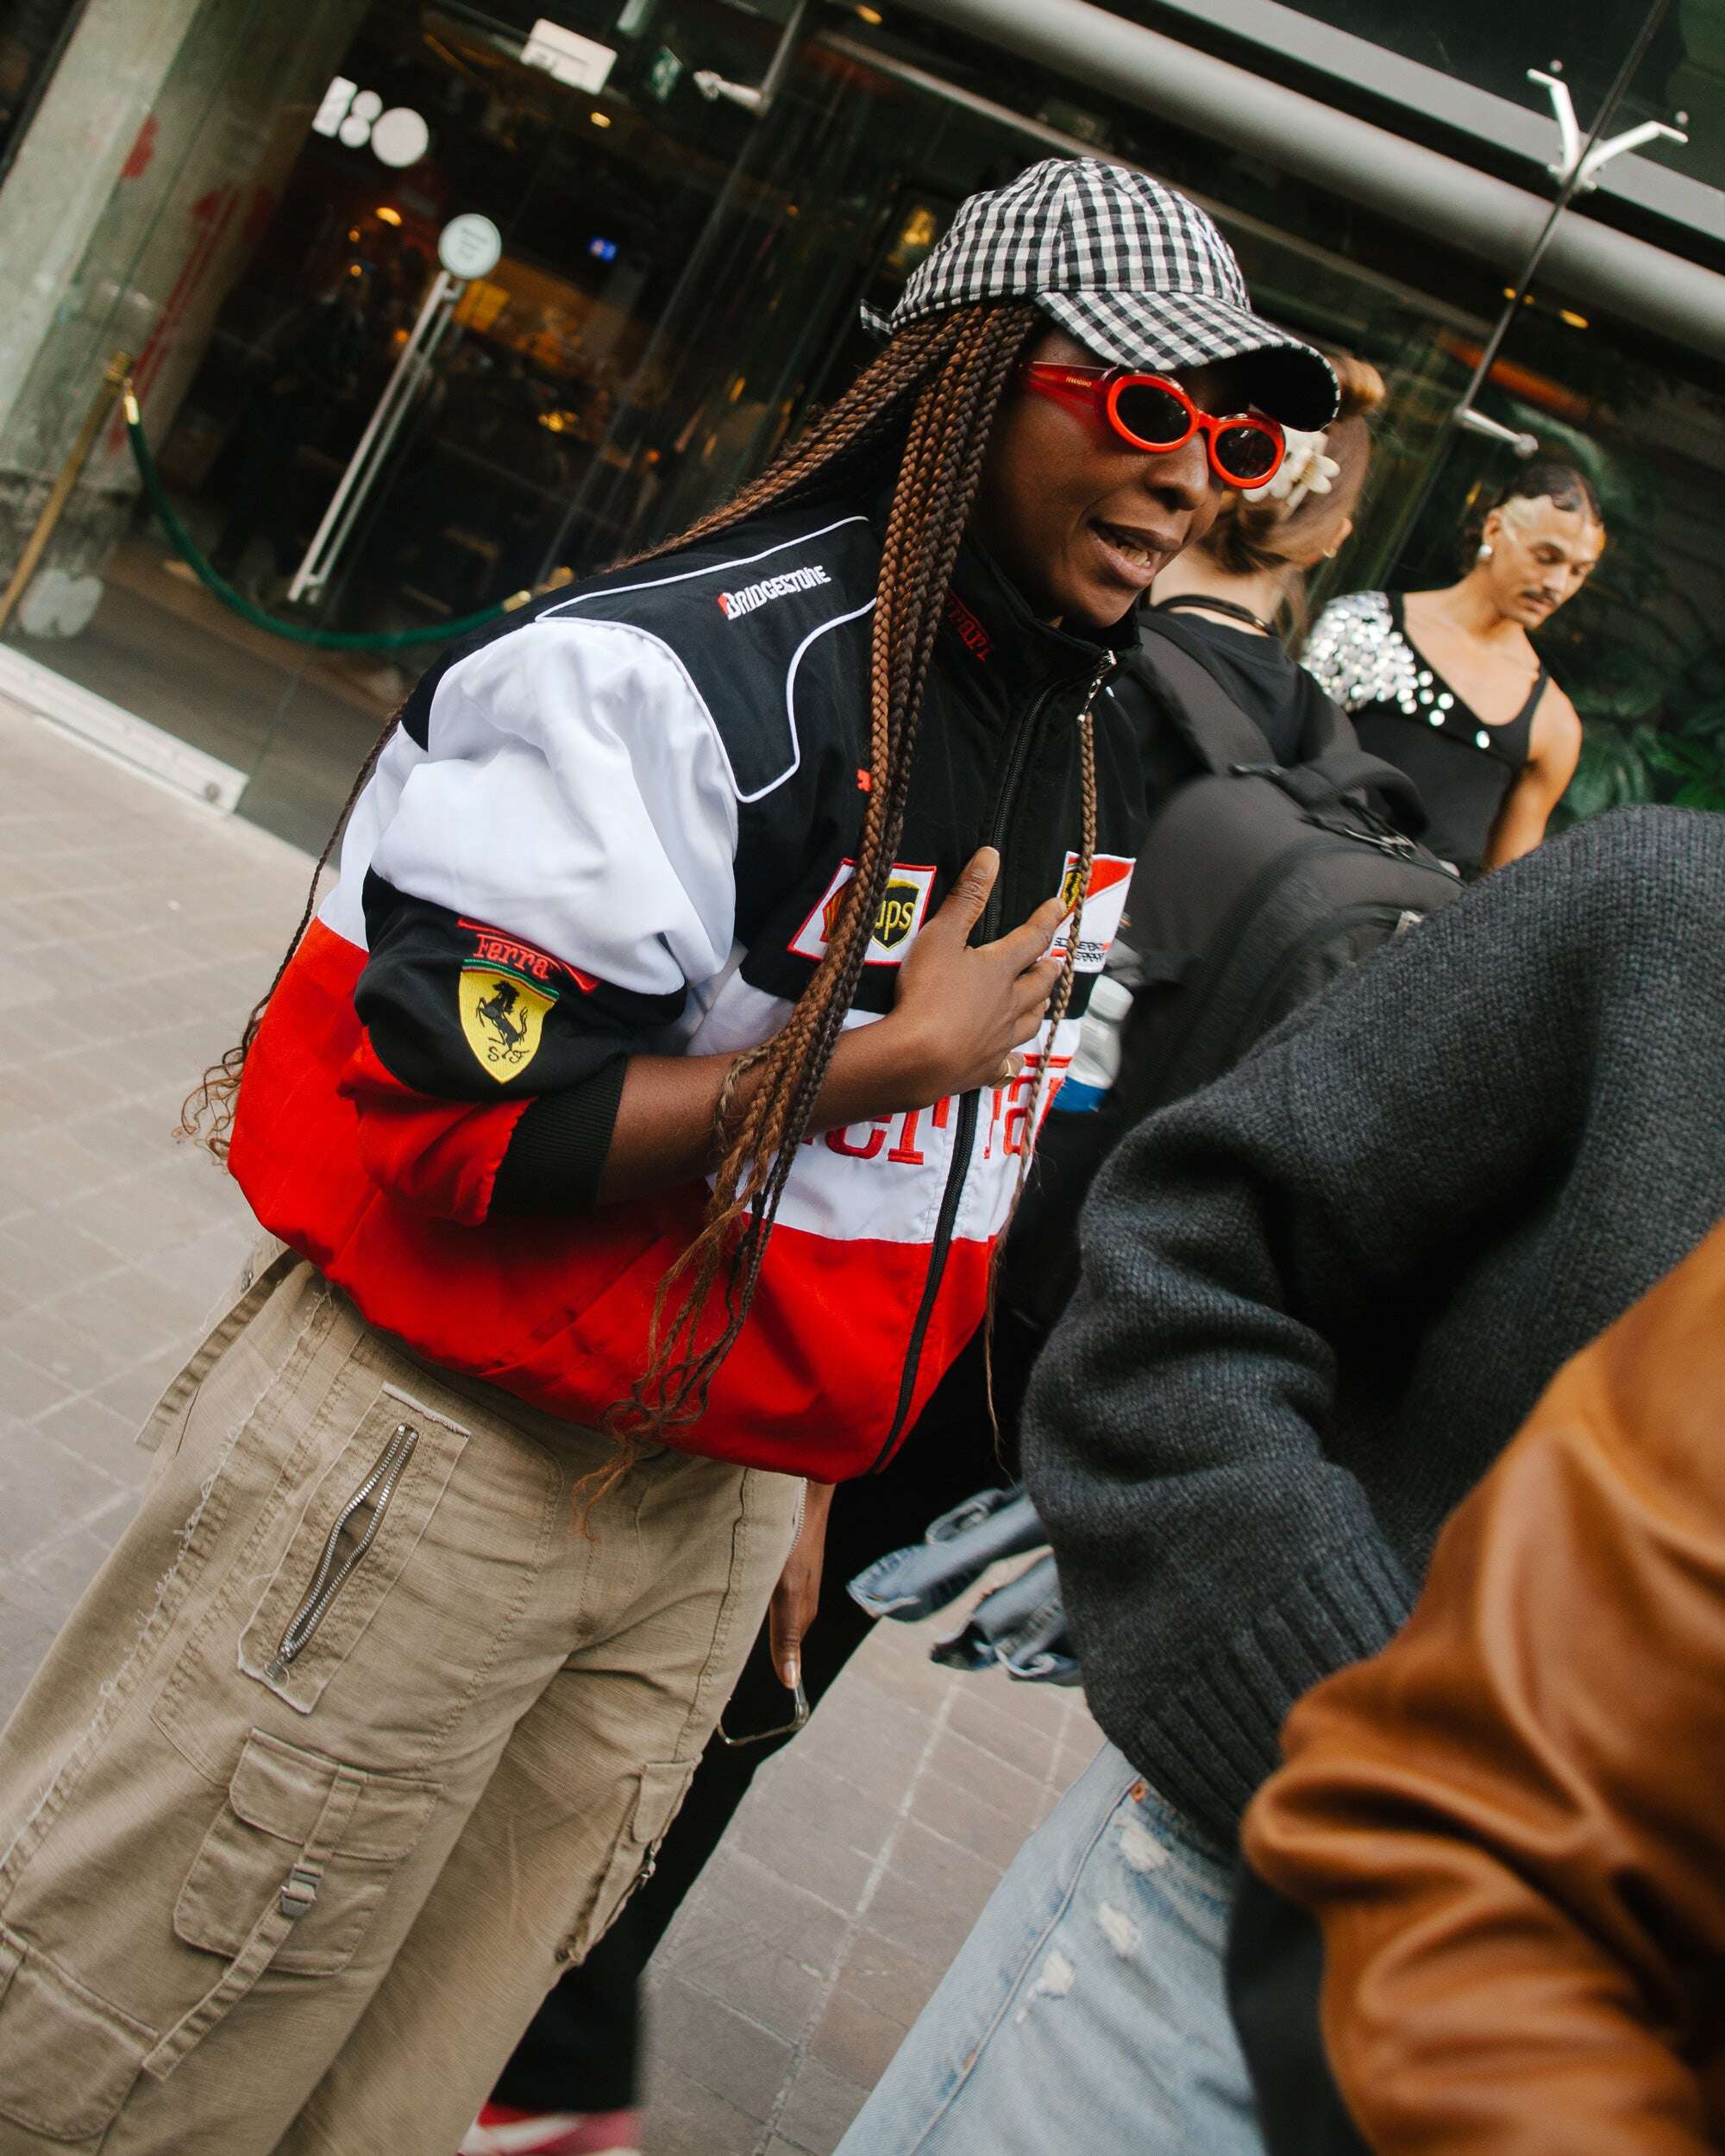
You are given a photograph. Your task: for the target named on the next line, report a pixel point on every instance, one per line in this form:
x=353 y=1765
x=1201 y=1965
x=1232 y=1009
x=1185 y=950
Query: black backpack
x=1256 y=884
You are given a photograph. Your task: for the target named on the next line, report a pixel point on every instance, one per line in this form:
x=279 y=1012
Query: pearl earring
x=1484 y=554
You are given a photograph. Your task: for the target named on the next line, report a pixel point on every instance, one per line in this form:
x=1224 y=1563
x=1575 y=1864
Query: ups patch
x=903 y=905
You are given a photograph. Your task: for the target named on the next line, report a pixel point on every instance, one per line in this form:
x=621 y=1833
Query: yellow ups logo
x=903 y=905
x=900 y=910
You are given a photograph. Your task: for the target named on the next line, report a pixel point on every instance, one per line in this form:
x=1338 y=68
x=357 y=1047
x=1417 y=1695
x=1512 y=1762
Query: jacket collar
x=1021 y=655
x=990 y=618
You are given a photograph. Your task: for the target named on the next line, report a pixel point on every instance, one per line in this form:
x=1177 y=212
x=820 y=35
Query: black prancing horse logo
x=496 y=1008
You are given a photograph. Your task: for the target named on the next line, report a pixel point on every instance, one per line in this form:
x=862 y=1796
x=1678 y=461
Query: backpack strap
x=1199 y=708
x=1315 y=784
x=1222 y=737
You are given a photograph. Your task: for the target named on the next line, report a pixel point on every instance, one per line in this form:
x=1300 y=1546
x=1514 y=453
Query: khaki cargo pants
x=353 y=1742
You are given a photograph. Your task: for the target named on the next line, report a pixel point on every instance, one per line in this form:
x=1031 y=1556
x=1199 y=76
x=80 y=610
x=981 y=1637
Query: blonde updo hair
x=1251 y=535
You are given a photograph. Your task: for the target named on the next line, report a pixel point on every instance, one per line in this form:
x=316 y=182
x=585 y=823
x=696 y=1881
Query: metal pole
x=1359 y=161
x=690 y=278
x=313 y=572
x=1571 y=183
x=779 y=66
x=1524 y=445
x=753 y=98
x=412 y=380
x=113 y=380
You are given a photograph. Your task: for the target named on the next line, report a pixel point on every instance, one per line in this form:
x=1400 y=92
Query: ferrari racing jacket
x=619 y=824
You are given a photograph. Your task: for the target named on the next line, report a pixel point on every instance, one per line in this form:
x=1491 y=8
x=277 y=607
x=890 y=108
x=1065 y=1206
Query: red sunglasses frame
x=1096 y=391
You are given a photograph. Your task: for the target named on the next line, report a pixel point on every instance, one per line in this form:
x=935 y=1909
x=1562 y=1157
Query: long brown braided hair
x=934 y=390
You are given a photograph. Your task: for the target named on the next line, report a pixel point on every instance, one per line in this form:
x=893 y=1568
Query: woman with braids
x=570 y=2086
x=1448 y=685
x=632 y=1127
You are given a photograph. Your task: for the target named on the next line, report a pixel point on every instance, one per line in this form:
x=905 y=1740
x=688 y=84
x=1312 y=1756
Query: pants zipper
x=334 y=1568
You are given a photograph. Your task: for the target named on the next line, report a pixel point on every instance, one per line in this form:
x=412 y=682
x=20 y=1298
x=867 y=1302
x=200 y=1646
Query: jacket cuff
x=1209 y=1747
x=557 y=1150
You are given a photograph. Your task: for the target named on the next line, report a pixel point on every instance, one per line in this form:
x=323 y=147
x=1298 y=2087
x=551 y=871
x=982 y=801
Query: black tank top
x=1405 y=712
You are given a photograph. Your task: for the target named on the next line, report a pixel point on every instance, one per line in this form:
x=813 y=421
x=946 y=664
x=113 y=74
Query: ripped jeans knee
x=1088 y=2007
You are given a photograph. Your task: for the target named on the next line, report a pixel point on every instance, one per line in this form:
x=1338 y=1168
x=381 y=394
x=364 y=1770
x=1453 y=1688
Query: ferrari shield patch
x=502 y=1018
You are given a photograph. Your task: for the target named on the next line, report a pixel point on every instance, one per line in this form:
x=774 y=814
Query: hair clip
x=1304 y=470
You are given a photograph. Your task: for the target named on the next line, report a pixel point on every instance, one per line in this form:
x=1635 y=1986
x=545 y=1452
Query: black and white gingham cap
x=1127 y=266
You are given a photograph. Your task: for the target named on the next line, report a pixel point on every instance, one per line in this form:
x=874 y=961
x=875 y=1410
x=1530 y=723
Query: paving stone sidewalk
x=138 y=928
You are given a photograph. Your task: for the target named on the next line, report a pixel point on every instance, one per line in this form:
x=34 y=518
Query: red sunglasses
x=1153 y=413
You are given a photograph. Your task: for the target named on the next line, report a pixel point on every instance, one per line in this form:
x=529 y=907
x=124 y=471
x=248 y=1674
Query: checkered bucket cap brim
x=1132 y=269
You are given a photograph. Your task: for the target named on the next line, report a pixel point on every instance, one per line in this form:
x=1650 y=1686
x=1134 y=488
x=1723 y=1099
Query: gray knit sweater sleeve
x=1216 y=1559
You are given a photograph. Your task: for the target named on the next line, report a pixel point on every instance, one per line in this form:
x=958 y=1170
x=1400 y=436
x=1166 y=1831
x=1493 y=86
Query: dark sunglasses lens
x=1246 y=453
x=1156 y=418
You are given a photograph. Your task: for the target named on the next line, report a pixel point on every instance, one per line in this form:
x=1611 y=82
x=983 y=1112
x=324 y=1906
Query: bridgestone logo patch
x=734 y=605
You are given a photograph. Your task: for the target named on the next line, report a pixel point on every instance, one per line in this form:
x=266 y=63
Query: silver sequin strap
x=1358 y=655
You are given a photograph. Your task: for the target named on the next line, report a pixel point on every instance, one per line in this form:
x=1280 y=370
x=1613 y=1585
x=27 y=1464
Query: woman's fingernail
x=790 y=1671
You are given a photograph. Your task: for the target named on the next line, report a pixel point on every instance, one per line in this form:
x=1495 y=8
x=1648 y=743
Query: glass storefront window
x=677 y=281
x=1490 y=47
x=1639 y=649
x=307 y=231
x=1684 y=73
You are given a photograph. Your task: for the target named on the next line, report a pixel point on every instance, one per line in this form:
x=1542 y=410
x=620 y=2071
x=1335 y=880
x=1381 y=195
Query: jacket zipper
x=964 y=1135
x=331 y=1576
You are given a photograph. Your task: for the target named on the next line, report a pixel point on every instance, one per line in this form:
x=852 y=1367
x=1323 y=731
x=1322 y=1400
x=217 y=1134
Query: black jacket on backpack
x=1320 y=1294
x=1258 y=882
x=1261 y=879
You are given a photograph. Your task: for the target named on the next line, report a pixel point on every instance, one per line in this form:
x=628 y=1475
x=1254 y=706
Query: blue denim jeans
x=1086 y=2012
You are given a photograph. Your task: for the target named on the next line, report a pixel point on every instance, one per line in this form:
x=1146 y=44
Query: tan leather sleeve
x=1510 y=1824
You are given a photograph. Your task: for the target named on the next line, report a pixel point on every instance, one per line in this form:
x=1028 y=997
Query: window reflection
x=679 y=281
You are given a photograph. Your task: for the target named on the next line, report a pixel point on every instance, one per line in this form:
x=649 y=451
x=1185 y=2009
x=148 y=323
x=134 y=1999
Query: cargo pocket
x=48 y=2016
x=289 y=1876
x=357 y=1533
x=286 y=1880
x=659 y=1792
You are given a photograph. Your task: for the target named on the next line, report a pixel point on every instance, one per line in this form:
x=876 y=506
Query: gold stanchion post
x=113 y=380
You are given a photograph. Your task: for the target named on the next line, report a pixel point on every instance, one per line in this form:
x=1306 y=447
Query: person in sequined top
x=1447 y=685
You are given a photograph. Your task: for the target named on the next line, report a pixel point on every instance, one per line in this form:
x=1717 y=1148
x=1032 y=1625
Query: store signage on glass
x=356 y=117
x=662 y=76
x=572 y=59
x=469 y=246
